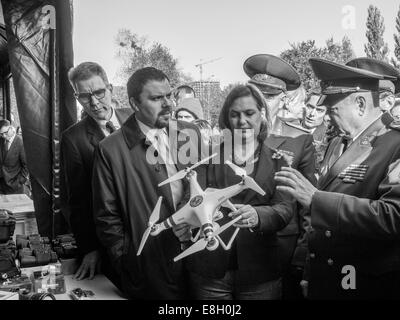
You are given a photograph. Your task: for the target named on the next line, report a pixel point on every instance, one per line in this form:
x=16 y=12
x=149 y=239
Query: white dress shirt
x=160 y=141
x=113 y=119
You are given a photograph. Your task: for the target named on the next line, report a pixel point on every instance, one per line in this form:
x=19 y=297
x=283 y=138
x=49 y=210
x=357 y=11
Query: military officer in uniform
x=274 y=77
x=355 y=212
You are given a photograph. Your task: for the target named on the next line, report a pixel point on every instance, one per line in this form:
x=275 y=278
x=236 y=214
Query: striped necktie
x=110 y=127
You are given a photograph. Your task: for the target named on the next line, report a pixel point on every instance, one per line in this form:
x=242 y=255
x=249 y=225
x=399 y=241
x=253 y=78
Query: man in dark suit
x=78 y=143
x=13 y=172
x=353 y=239
x=128 y=167
x=274 y=77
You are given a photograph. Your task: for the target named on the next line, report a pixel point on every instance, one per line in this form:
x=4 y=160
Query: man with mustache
x=128 y=167
x=94 y=92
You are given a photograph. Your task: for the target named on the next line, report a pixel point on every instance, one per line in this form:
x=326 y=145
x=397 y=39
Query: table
x=103 y=288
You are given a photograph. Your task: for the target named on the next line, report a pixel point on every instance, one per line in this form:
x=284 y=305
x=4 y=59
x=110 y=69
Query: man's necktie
x=5 y=148
x=345 y=143
x=110 y=127
x=162 y=145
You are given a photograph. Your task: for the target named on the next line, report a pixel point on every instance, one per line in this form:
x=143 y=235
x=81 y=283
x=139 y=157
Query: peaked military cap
x=379 y=67
x=271 y=74
x=341 y=79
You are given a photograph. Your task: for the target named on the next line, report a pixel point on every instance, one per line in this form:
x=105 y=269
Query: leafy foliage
x=376 y=47
x=135 y=53
x=396 y=60
x=299 y=53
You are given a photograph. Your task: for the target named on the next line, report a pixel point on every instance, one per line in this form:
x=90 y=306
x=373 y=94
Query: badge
x=365 y=141
x=354 y=173
x=286 y=155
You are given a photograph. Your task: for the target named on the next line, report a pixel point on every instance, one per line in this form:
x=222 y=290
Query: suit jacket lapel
x=274 y=141
x=3 y=149
x=331 y=155
x=354 y=154
x=263 y=171
x=12 y=146
x=94 y=132
x=319 y=132
x=122 y=114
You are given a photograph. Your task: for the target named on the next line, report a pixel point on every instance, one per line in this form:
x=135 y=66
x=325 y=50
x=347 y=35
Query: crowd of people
x=327 y=159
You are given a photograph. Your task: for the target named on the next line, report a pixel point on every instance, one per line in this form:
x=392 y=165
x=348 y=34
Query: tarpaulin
x=39 y=35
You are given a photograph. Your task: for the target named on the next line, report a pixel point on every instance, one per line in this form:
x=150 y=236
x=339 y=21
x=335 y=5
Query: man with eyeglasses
x=94 y=92
x=275 y=78
x=13 y=168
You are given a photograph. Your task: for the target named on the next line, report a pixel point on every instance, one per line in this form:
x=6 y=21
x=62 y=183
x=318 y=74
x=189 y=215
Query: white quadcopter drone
x=201 y=211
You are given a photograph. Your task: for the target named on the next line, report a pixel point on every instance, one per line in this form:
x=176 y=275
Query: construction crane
x=200 y=66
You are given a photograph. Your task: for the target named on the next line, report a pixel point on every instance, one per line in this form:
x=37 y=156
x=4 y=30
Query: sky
x=202 y=30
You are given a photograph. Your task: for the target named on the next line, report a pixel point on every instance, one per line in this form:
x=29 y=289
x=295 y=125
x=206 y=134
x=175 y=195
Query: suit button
x=330 y=262
x=312 y=255
x=328 y=234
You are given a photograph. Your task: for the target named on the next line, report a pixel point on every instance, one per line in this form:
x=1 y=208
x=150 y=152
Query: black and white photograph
x=195 y=155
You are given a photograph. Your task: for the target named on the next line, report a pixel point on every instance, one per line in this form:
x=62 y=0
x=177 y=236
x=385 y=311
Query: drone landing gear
x=212 y=244
x=229 y=245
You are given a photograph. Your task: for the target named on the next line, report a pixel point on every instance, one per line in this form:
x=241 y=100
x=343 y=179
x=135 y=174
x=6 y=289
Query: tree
x=376 y=47
x=299 y=53
x=298 y=56
x=339 y=52
x=134 y=52
x=396 y=60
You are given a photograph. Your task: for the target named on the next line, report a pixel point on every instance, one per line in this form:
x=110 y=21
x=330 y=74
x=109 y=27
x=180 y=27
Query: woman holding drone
x=251 y=269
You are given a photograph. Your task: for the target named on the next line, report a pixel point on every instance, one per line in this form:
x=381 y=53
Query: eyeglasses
x=5 y=132
x=85 y=97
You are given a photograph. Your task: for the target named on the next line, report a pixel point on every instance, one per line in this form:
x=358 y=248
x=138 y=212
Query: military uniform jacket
x=355 y=215
x=298 y=142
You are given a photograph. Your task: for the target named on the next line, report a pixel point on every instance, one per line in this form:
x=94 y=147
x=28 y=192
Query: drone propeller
x=248 y=181
x=196 y=247
x=181 y=174
x=202 y=243
x=154 y=217
x=238 y=171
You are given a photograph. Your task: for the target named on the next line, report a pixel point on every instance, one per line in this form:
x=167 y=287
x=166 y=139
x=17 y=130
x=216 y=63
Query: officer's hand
x=182 y=232
x=249 y=216
x=295 y=184
x=90 y=265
